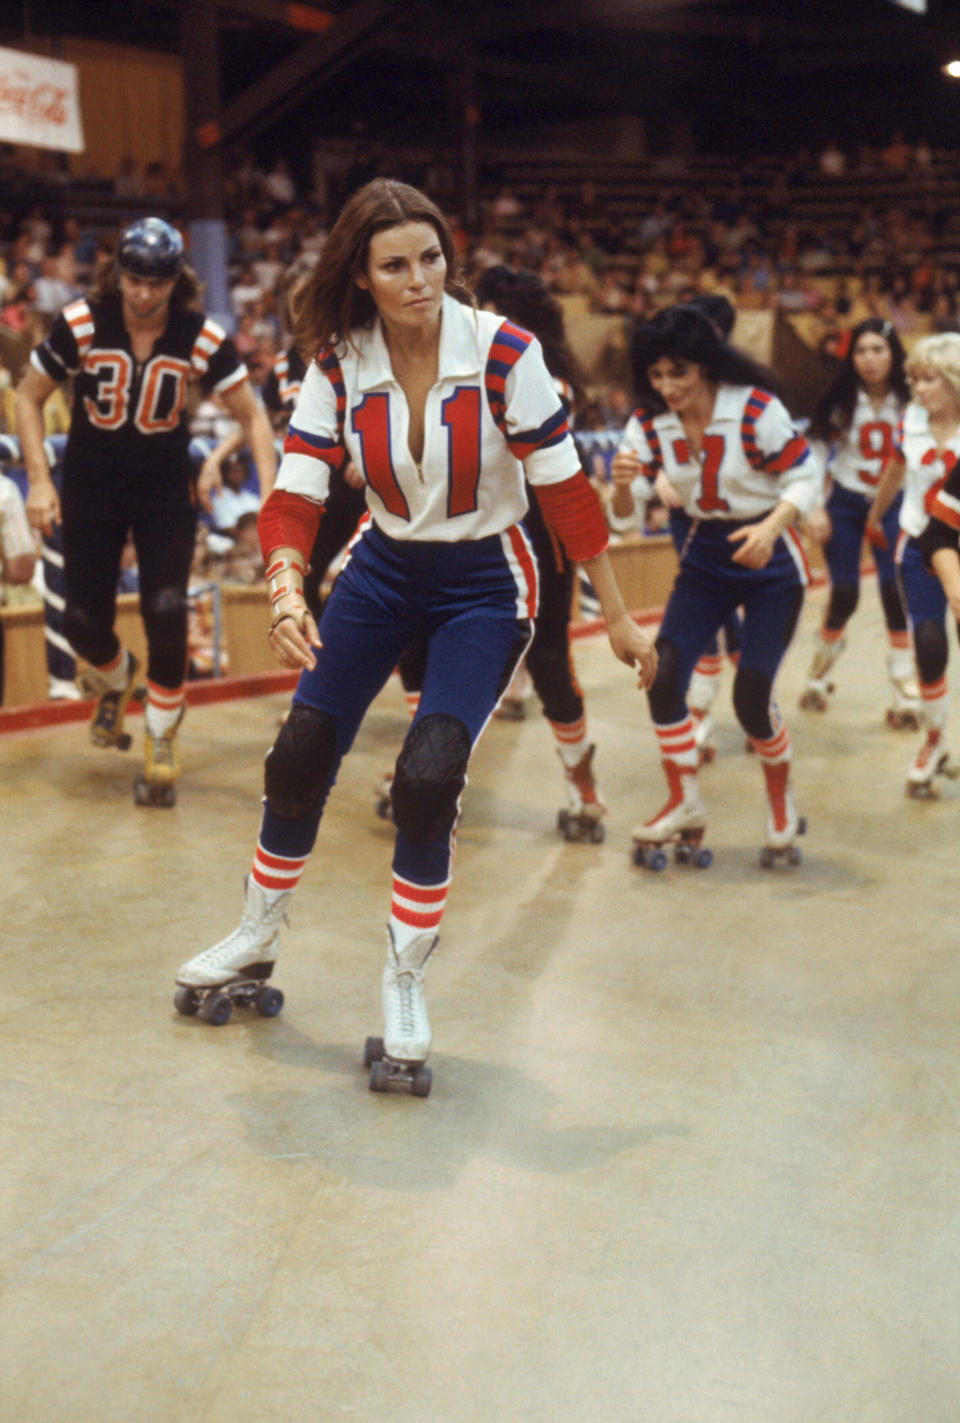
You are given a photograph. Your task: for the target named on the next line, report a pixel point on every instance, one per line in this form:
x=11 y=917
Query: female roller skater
x=443 y=408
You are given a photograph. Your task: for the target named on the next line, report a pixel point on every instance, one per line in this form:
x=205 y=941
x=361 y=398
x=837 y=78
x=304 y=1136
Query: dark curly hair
x=524 y=298
x=684 y=333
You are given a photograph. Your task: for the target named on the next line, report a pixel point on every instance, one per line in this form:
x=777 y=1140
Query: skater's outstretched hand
x=293 y=634
x=633 y=648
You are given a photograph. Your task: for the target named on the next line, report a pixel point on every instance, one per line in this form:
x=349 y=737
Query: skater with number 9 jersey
x=853 y=429
x=134 y=350
x=744 y=475
x=443 y=409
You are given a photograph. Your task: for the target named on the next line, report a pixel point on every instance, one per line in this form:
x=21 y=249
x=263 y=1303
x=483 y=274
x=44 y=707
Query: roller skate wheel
x=768 y=858
x=372 y=1051
x=186 y=1002
x=379 y=1077
x=563 y=820
x=268 y=1001
x=793 y=856
x=217 y=1009
x=683 y=854
x=703 y=859
x=598 y=833
x=656 y=860
x=421 y=1082
x=124 y=741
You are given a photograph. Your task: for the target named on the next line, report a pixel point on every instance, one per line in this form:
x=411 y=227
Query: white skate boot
x=237 y=968
x=582 y=817
x=906 y=705
x=681 y=823
x=932 y=760
x=818 y=688
x=399 y=1057
x=701 y=695
x=784 y=822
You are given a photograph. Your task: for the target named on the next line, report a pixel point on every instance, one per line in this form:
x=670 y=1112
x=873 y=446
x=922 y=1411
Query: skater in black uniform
x=134 y=348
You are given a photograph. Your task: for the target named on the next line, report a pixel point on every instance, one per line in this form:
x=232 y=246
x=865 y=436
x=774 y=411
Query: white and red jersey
x=751 y=457
x=858 y=456
x=493 y=414
x=927 y=467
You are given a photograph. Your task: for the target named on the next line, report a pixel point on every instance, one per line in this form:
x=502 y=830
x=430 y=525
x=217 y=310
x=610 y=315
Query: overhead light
x=952 y=69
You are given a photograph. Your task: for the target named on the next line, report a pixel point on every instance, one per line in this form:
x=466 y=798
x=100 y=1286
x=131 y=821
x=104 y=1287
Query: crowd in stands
x=753 y=238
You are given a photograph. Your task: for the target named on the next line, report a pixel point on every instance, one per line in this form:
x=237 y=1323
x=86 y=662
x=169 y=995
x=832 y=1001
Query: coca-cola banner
x=39 y=102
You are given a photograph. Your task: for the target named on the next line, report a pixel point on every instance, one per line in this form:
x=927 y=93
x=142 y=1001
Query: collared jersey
x=752 y=456
x=281 y=389
x=129 y=423
x=927 y=467
x=857 y=457
x=493 y=413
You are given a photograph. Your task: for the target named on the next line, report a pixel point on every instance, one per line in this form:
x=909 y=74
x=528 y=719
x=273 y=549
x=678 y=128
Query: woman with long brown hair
x=442 y=408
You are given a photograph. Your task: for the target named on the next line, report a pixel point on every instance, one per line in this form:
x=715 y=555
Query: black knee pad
x=431 y=772
x=843 y=602
x=88 y=636
x=894 y=612
x=930 y=646
x=665 y=694
x=751 y=702
x=299 y=769
x=165 y=608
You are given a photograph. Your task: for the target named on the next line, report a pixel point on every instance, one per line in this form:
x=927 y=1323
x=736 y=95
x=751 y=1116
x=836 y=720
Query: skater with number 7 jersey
x=443 y=408
x=744 y=474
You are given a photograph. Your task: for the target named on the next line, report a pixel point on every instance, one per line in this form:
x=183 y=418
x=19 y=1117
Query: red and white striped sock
x=163 y=707
x=276 y=874
x=777 y=747
x=678 y=743
x=116 y=671
x=571 y=740
x=415 y=909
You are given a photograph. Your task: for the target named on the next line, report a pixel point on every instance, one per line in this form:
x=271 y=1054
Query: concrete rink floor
x=691 y=1154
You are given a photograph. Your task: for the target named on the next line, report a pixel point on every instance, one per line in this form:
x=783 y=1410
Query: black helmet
x=150 y=247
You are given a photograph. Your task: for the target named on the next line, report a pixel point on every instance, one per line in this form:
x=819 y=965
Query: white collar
x=459 y=347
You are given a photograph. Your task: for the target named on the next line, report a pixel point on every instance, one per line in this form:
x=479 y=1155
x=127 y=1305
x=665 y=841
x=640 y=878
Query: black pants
x=92 y=549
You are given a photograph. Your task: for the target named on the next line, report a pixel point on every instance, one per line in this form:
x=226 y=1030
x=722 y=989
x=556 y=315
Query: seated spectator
x=832 y=163
x=229 y=504
x=18 y=553
x=51 y=292
x=244 y=562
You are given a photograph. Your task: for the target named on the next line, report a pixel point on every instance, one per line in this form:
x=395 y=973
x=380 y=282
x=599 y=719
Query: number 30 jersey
x=752 y=456
x=128 y=433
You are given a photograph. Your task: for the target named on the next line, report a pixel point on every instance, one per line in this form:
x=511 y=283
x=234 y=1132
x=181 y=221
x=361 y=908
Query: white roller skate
x=156 y=784
x=106 y=724
x=582 y=817
x=932 y=760
x=784 y=822
x=905 y=712
x=236 y=969
x=399 y=1057
x=701 y=695
x=818 y=688
x=383 y=797
x=681 y=823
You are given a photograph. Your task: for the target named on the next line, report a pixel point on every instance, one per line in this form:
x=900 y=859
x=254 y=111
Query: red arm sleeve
x=572 y=511
x=288 y=521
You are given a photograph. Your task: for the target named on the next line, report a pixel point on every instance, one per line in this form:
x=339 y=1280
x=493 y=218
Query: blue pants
x=708 y=588
x=843 y=551
x=473 y=602
x=926 y=603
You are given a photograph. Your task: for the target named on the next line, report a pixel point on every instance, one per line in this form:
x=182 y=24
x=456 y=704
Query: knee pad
x=751 y=702
x=165 y=608
x=893 y=609
x=298 y=771
x=87 y=636
x=930 y=646
x=843 y=602
x=431 y=772
x=665 y=695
